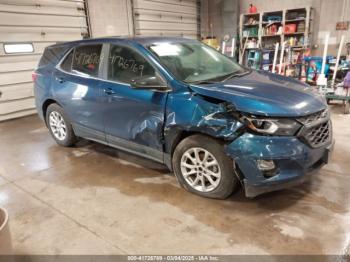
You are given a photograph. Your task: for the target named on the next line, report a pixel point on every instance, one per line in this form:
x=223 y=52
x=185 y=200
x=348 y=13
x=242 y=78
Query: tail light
x=34 y=76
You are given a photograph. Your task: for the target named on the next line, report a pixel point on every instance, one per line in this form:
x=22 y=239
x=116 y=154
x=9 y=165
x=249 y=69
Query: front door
x=134 y=118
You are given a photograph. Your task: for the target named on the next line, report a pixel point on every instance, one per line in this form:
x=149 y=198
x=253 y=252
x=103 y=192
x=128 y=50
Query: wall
x=110 y=17
x=114 y=17
x=219 y=17
x=326 y=13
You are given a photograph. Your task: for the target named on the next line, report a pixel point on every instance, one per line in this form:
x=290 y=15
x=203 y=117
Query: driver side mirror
x=149 y=83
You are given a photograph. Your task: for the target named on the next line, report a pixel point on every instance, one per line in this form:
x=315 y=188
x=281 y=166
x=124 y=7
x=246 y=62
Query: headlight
x=281 y=127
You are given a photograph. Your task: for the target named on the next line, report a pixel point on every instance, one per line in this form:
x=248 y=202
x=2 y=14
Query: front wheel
x=202 y=167
x=60 y=126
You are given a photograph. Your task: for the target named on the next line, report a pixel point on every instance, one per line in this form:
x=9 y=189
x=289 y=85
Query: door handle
x=60 y=80
x=109 y=91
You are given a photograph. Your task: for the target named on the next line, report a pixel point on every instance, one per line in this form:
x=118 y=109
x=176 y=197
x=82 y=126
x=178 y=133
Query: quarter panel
x=42 y=89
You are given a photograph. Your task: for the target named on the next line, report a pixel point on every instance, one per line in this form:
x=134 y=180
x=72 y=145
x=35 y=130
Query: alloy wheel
x=57 y=125
x=200 y=169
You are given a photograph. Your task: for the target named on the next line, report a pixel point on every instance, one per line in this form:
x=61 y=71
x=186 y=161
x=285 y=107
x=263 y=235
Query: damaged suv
x=181 y=103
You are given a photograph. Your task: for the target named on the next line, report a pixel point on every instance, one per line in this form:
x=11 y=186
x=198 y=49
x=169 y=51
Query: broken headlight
x=279 y=127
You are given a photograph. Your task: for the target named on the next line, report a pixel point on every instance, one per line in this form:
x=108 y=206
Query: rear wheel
x=60 y=126
x=202 y=167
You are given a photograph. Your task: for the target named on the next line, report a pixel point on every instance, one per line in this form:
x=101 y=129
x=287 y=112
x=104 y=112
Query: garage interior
x=96 y=200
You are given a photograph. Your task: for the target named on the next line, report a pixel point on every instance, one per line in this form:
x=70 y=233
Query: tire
x=183 y=164
x=56 y=112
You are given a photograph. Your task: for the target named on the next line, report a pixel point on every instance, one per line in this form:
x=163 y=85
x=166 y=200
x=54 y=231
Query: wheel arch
x=181 y=134
x=212 y=145
x=174 y=136
x=46 y=105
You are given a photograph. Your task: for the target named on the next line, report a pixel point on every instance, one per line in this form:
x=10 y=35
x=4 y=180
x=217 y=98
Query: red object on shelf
x=252 y=9
x=273 y=29
x=290 y=28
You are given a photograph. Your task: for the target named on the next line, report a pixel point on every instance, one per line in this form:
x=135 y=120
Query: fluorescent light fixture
x=18 y=48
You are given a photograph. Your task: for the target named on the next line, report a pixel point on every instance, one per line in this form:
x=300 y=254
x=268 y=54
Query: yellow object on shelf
x=213 y=42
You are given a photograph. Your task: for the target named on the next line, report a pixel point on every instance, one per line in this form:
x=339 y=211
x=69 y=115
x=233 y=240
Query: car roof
x=143 y=40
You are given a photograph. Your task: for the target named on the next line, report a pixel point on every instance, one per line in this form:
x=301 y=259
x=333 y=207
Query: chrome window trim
x=58 y=66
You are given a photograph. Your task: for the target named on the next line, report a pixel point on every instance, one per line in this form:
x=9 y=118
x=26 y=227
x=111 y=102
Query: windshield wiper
x=226 y=77
x=235 y=75
x=203 y=82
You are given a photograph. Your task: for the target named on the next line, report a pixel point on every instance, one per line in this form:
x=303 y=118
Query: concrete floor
x=93 y=199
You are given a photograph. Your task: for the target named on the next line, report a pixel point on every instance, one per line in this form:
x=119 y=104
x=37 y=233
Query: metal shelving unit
x=289 y=26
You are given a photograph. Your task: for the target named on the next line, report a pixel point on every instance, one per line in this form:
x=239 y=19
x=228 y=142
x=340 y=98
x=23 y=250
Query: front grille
x=318 y=135
x=310 y=119
x=317 y=129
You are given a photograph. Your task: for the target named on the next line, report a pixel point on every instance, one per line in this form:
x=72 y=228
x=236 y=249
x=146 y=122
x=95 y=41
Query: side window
x=52 y=55
x=125 y=64
x=86 y=59
x=67 y=63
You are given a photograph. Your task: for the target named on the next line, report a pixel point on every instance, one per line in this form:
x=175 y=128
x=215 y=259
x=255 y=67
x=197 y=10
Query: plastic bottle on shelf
x=252 y=9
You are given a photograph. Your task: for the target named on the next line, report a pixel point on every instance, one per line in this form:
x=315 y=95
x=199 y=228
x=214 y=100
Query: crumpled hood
x=267 y=94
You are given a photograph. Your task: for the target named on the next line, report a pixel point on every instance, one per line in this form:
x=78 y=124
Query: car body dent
x=189 y=112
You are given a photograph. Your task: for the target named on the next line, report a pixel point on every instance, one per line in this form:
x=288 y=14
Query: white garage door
x=26 y=28
x=166 y=18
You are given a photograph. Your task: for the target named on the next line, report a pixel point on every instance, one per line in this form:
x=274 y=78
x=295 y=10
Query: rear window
x=52 y=55
x=86 y=59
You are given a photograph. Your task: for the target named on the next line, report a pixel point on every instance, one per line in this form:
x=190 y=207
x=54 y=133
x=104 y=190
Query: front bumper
x=295 y=161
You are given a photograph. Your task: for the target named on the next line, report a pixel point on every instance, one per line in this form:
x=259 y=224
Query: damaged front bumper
x=294 y=161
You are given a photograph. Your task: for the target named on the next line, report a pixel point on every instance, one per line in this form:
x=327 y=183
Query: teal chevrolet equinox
x=214 y=123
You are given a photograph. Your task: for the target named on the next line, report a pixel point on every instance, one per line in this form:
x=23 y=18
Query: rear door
x=76 y=86
x=134 y=118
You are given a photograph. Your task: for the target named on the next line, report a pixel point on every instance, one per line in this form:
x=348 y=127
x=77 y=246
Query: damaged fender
x=192 y=113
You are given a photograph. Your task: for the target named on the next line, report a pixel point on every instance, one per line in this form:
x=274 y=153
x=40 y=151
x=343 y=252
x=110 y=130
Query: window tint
x=125 y=64
x=86 y=59
x=67 y=63
x=52 y=55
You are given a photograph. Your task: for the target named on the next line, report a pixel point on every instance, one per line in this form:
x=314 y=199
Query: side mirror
x=149 y=83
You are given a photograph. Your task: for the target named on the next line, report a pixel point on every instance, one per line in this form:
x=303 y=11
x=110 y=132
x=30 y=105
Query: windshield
x=195 y=62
